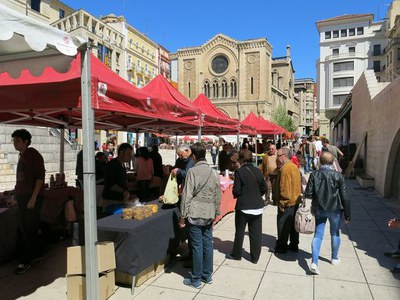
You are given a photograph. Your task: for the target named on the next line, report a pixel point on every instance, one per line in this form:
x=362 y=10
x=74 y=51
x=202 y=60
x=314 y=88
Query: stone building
x=238 y=76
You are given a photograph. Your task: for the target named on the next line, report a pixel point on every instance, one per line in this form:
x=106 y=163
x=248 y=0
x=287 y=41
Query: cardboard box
x=76 y=286
x=143 y=276
x=76 y=258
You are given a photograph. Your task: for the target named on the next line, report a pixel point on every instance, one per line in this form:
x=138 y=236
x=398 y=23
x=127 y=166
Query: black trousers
x=255 y=234
x=285 y=223
x=31 y=240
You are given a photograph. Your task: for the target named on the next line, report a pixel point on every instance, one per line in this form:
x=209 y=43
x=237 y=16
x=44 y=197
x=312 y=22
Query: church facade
x=239 y=77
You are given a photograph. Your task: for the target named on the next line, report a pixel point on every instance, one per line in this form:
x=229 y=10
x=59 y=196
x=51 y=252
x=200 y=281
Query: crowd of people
x=277 y=181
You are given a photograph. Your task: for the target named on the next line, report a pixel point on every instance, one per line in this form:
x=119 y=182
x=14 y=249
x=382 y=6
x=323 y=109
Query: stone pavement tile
x=7 y=268
x=285 y=286
x=27 y=283
x=385 y=292
x=349 y=269
x=210 y=297
x=245 y=263
x=172 y=278
x=290 y=263
x=228 y=225
x=378 y=271
x=56 y=290
x=362 y=225
x=373 y=251
x=340 y=289
x=366 y=237
x=164 y=293
x=392 y=236
x=125 y=292
x=233 y=283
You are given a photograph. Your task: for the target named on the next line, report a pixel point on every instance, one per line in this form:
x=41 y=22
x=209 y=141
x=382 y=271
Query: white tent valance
x=22 y=37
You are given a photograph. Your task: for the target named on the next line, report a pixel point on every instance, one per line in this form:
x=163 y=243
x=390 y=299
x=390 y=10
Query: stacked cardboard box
x=76 y=286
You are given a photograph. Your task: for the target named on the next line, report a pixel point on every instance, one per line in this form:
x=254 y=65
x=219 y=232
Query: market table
x=140 y=244
x=228 y=203
x=52 y=213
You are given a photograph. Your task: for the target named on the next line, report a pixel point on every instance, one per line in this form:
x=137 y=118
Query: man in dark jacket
x=330 y=200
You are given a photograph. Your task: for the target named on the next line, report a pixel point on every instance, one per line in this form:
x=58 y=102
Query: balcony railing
x=392 y=42
x=344 y=55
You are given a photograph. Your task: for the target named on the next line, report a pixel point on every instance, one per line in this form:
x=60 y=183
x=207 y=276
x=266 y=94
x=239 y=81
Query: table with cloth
x=228 y=203
x=52 y=213
x=141 y=243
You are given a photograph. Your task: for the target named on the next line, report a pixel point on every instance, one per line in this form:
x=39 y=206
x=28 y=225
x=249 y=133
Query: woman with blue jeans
x=200 y=203
x=330 y=201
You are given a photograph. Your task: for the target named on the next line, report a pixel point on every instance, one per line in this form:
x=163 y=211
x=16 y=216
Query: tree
x=281 y=118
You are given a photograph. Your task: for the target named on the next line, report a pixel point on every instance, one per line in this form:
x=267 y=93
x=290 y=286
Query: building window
x=327 y=35
x=233 y=88
x=344 y=81
x=377 y=65
x=215 y=89
x=360 y=30
x=377 y=50
x=35 y=5
x=398 y=54
x=335 y=34
x=252 y=85
x=352 y=31
x=207 y=89
x=343 y=66
x=335 y=51
x=343 y=33
x=189 y=91
x=61 y=13
x=339 y=99
x=224 y=88
x=352 y=49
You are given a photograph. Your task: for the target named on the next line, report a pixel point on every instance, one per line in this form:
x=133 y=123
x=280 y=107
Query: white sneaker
x=335 y=261
x=314 y=269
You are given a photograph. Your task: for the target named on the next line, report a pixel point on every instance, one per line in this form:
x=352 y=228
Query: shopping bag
x=171 y=195
x=304 y=220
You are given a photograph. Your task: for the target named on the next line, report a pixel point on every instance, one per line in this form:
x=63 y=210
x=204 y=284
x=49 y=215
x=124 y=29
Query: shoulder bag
x=304 y=220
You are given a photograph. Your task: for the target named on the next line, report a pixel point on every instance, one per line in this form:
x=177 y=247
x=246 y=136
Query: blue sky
x=177 y=23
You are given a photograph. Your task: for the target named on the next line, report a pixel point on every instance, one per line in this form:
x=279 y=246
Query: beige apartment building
x=47 y=11
x=239 y=77
x=304 y=89
x=141 y=55
x=108 y=43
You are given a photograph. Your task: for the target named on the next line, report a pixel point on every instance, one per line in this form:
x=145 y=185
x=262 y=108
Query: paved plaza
x=364 y=271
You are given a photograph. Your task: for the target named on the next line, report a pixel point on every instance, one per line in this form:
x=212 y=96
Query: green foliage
x=281 y=118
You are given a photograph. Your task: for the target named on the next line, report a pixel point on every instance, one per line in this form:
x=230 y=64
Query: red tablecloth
x=227 y=203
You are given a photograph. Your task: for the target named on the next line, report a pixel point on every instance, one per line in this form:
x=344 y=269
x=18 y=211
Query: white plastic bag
x=171 y=195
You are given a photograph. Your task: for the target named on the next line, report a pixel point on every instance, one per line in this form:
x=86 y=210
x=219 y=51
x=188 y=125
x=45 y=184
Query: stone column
x=345 y=131
x=340 y=135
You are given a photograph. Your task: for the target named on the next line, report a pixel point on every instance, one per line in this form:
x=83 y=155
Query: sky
x=177 y=24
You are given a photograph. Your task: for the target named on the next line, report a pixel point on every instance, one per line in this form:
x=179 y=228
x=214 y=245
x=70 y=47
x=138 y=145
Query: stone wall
x=47 y=144
x=380 y=118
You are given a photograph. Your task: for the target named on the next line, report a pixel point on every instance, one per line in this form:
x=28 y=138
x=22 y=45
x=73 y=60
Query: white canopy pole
x=62 y=150
x=89 y=180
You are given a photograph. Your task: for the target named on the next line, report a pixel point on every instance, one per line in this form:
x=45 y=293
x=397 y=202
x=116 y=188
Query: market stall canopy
x=160 y=88
x=262 y=127
x=21 y=38
x=54 y=99
x=278 y=129
x=209 y=109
